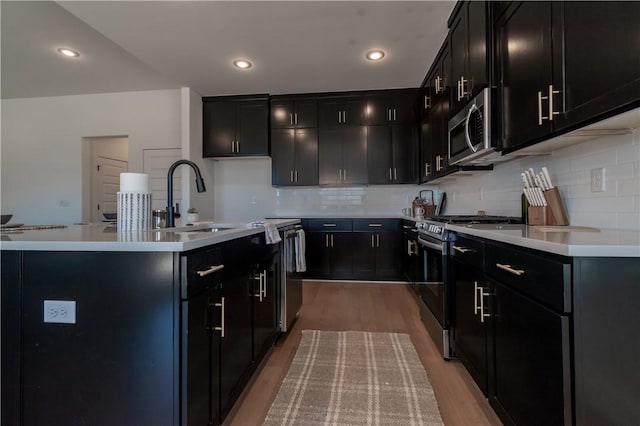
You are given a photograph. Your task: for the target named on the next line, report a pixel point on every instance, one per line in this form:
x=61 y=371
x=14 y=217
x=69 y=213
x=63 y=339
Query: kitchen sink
x=201 y=227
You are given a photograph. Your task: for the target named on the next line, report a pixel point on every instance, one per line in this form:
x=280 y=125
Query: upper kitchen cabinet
x=601 y=67
x=562 y=65
x=294 y=112
x=235 y=126
x=434 y=135
x=340 y=111
x=392 y=107
x=469 y=36
x=294 y=154
x=391 y=154
x=342 y=155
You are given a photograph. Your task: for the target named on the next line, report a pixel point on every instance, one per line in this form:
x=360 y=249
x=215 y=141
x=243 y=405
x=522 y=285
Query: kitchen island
x=101 y=327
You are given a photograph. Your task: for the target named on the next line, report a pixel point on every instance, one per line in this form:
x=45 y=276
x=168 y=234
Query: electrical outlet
x=597 y=180
x=65 y=203
x=60 y=311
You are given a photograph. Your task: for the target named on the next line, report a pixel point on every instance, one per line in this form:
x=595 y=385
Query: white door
x=156 y=163
x=105 y=185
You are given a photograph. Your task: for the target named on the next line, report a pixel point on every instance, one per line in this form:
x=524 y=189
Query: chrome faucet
x=199 y=186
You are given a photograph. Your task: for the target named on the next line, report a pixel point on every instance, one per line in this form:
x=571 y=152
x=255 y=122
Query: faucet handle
x=176 y=211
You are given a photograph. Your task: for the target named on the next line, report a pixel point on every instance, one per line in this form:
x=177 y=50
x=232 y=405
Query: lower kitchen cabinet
x=352 y=249
x=411 y=265
x=265 y=294
x=471 y=291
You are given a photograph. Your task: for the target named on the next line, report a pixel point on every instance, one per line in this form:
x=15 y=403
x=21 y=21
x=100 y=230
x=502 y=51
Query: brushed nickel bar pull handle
x=475 y=298
x=458 y=97
x=296 y=176
x=291 y=118
x=340 y=173
x=482 y=294
x=264 y=283
x=209 y=271
x=427 y=101
x=377 y=240
x=291 y=176
x=390 y=176
x=551 y=112
x=329 y=225
x=233 y=146
x=331 y=240
x=508 y=268
x=395 y=115
x=372 y=244
x=326 y=240
x=461 y=249
x=221 y=328
x=395 y=173
x=375 y=225
x=295 y=118
x=389 y=114
x=345 y=175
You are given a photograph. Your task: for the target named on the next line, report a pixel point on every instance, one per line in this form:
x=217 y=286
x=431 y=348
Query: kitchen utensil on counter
x=427 y=204
x=159 y=218
x=441 y=203
x=407 y=211
x=5 y=218
x=545 y=203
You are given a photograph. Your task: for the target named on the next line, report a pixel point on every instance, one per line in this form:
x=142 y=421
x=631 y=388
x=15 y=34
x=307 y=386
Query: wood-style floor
x=367 y=307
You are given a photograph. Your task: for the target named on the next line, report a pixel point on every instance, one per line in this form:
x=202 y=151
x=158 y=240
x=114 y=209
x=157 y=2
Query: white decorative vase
x=192 y=218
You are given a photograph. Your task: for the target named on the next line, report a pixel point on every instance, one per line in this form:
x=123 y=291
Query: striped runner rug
x=355 y=378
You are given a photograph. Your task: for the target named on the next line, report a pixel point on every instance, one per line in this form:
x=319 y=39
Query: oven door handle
x=429 y=244
x=467 y=138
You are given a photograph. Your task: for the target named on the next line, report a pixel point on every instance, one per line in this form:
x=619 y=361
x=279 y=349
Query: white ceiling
x=295 y=46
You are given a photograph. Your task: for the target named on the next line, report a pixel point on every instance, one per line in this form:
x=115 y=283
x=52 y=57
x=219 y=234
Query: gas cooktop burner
x=476 y=219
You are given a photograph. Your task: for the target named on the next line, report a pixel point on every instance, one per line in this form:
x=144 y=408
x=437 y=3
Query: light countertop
x=578 y=242
x=105 y=237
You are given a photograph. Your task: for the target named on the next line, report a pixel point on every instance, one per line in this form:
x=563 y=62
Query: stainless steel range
x=432 y=286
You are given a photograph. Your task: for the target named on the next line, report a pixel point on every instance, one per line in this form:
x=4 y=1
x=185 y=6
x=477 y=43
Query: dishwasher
x=291 y=281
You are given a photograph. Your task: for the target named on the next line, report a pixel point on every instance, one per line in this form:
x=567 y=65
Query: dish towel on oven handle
x=300 y=245
x=271 y=233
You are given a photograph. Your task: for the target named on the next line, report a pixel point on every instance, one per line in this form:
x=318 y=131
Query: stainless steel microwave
x=470 y=141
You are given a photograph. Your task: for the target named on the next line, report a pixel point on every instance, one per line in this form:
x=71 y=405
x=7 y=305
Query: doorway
x=108 y=157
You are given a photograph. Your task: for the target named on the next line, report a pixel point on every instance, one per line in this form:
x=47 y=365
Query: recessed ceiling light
x=375 y=55
x=242 y=64
x=68 y=52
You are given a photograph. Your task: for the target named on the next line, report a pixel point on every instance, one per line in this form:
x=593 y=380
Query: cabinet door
x=330 y=156
x=470 y=329
x=379 y=155
x=236 y=352
x=219 y=129
x=341 y=255
x=405 y=152
x=459 y=42
x=477 y=56
x=531 y=361
x=282 y=113
x=306 y=157
x=306 y=113
x=354 y=154
x=364 y=255
x=252 y=130
x=318 y=258
x=524 y=65
x=330 y=112
x=426 y=151
x=264 y=306
x=196 y=394
x=404 y=108
x=282 y=156
x=600 y=60
x=355 y=111
x=388 y=256
x=378 y=110
x=10 y=295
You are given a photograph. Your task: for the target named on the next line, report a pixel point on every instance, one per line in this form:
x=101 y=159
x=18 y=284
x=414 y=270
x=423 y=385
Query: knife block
x=553 y=214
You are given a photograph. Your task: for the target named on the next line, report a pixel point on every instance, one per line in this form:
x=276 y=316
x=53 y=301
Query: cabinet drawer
x=542 y=277
x=330 y=225
x=467 y=250
x=199 y=271
x=376 y=225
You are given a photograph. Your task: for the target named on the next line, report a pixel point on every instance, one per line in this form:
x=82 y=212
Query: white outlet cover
x=60 y=311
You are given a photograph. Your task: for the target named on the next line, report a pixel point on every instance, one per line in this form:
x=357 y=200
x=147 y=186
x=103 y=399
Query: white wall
x=499 y=191
x=41 y=155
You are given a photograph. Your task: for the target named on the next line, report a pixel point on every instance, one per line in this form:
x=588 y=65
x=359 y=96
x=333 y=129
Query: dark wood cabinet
x=342 y=111
x=392 y=107
x=292 y=113
x=433 y=132
x=599 y=60
x=342 y=155
x=562 y=65
x=469 y=37
x=265 y=295
x=391 y=154
x=361 y=249
x=235 y=126
x=294 y=155
x=471 y=313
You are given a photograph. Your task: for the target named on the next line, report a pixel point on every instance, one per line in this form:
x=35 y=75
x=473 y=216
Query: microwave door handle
x=467 y=138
